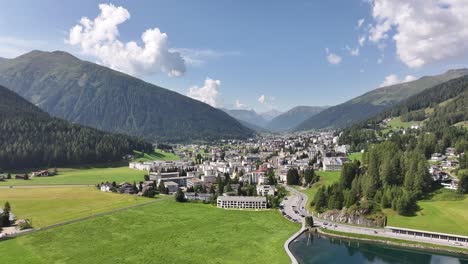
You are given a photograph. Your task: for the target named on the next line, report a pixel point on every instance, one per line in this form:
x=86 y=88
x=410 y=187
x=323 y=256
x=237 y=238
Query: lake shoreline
x=434 y=248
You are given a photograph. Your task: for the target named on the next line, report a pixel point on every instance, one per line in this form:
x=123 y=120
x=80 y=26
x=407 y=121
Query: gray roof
x=243 y=198
x=170 y=183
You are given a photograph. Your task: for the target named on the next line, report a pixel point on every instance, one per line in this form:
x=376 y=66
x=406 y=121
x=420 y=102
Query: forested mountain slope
x=293 y=117
x=29 y=137
x=89 y=94
x=374 y=102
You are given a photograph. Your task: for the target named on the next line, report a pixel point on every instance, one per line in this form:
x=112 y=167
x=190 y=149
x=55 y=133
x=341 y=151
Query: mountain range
x=31 y=138
x=293 y=117
x=374 y=102
x=90 y=94
x=281 y=123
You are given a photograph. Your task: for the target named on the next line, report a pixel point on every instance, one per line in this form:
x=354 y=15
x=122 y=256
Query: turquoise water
x=312 y=248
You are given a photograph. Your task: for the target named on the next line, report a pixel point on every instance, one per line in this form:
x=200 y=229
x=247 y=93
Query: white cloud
x=360 y=22
x=208 y=93
x=361 y=40
x=353 y=52
x=239 y=105
x=424 y=31
x=332 y=57
x=197 y=57
x=261 y=99
x=99 y=38
x=393 y=79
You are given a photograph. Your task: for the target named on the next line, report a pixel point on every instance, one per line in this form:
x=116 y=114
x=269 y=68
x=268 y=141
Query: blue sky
x=286 y=52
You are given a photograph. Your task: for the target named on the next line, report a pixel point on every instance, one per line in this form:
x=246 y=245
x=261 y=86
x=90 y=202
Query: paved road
x=300 y=200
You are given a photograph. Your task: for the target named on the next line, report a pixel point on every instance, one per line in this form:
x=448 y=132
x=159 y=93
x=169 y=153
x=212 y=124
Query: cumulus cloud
x=208 y=93
x=261 y=99
x=197 y=57
x=393 y=79
x=100 y=38
x=332 y=57
x=360 y=22
x=239 y=105
x=361 y=40
x=424 y=31
x=353 y=52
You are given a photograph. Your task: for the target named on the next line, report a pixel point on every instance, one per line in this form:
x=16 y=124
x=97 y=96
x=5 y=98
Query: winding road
x=297 y=202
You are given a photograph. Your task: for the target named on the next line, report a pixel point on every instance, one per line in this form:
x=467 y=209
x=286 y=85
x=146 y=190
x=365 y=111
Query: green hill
x=89 y=94
x=29 y=137
x=293 y=117
x=374 y=102
x=439 y=110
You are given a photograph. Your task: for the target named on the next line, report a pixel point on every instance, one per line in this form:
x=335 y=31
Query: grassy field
x=326 y=178
x=355 y=156
x=165 y=232
x=396 y=123
x=45 y=206
x=87 y=175
x=443 y=213
x=157 y=155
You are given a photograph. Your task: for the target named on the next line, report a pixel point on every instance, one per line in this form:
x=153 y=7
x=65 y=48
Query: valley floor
x=46 y=206
x=165 y=232
x=87 y=175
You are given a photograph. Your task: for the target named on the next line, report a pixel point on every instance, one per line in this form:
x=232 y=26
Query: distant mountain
x=269 y=115
x=30 y=138
x=2 y=60
x=249 y=116
x=293 y=117
x=89 y=94
x=374 y=102
x=254 y=127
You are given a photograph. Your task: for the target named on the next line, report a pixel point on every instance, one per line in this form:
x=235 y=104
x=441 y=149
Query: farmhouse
x=21 y=177
x=43 y=173
x=242 y=202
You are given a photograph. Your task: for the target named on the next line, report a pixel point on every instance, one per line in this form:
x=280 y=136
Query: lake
x=313 y=248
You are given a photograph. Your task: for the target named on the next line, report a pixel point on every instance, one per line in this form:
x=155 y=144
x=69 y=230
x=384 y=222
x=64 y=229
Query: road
x=299 y=200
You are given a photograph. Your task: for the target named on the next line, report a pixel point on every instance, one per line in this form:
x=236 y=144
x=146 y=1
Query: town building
x=265 y=190
x=332 y=164
x=242 y=202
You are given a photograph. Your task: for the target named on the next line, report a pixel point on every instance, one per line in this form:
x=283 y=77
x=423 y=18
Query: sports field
x=164 y=232
x=45 y=206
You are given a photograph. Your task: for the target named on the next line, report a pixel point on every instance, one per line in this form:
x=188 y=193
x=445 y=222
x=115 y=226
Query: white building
x=265 y=190
x=242 y=202
x=140 y=165
x=332 y=164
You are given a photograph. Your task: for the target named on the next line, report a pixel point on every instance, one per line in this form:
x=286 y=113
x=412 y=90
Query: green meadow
x=326 y=178
x=158 y=154
x=84 y=175
x=46 y=206
x=163 y=232
x=355 y=156
x=443 y=213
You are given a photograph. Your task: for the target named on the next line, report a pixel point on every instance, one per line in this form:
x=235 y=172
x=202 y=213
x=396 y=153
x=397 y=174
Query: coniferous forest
x=394 y=169
x=31 y=138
